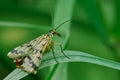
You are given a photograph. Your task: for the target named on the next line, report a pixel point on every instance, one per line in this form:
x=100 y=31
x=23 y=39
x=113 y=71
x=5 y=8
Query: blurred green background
x=95 y=30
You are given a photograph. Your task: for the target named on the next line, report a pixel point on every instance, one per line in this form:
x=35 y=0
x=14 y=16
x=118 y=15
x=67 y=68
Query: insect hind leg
x=63 y=51
x=60 y=45
x=54 y=55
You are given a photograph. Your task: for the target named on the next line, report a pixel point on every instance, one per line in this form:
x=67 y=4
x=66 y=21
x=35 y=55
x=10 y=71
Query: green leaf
x=94 y=13
x=52 y=71
x=96 y=16
x=21 y=25
x=116 y=28
x=57 y=71
x=75 y=56
x=63 y=13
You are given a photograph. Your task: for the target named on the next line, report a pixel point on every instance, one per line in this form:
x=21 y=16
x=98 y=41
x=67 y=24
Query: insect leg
x=54 y=55
x=63 y=51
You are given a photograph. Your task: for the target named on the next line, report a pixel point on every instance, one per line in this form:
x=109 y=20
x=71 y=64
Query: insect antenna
x=61 y=24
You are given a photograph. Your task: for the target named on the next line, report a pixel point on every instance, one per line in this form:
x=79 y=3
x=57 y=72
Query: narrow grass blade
x=75 y=56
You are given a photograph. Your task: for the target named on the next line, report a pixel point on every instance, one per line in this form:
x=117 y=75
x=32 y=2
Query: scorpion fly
x=28 y=56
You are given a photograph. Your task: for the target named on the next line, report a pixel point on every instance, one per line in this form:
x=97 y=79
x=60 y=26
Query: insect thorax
x=49 y=40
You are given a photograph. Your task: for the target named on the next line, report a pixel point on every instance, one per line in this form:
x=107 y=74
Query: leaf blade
x=75 y=56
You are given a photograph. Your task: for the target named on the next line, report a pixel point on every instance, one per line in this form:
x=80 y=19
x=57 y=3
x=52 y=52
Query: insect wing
x=24 y=49
x=31 y=62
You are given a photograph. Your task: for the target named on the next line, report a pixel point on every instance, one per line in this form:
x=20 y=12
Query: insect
x=28 y=56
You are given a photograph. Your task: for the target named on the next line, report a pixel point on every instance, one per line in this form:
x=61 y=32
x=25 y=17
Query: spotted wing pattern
x=24 y=49
x=28 y=56
x=31 y=62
